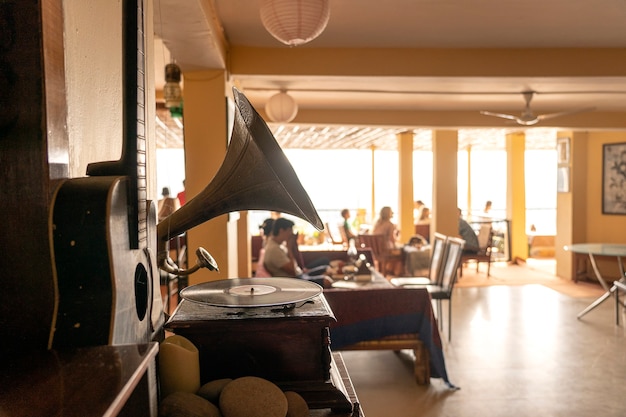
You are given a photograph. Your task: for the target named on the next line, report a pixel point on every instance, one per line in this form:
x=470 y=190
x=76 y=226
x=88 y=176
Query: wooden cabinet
x=288 y=346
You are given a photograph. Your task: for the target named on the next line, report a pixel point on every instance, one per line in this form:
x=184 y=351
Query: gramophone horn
x=255 y=175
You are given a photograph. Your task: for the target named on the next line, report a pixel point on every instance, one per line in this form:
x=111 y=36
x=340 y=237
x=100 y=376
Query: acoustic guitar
x=103 y=229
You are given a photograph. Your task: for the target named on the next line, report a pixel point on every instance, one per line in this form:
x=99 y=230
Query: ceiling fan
x=528 y=118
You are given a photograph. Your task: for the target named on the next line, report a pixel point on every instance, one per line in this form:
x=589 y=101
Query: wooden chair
x=435 y=269
x=423 y=230
x=485 y=243
x=256 y=244
x=335 y=235
x=386 y=261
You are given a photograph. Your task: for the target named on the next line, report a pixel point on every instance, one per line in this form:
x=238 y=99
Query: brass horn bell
x=255 y=175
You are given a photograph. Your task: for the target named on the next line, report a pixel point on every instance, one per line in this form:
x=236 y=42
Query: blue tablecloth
x=370 y=314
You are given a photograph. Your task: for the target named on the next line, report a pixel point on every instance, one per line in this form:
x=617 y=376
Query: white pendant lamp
x=281 y=108
x=295 y=22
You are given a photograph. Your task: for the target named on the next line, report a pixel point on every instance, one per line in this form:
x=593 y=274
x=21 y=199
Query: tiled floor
x=516 y=350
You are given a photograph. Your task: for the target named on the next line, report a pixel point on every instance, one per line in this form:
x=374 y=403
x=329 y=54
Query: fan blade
x=546 y=116
x=500 y=115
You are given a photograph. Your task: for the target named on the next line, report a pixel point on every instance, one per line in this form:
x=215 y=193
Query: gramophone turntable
x=279 y=332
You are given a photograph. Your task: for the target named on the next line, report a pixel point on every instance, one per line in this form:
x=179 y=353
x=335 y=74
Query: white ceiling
x=385 y=66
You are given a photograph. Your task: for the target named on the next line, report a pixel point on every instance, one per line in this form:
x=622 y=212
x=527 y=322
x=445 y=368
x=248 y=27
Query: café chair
x=335 y=235
x=443 y=291
x=435 y=266
x=423 y=230
x=256 y=244
x=386 y=261
x=485 y=243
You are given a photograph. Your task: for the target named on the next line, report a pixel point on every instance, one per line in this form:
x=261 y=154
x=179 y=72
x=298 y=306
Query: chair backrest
x=454 y=249
x=335 y=234
x=423 y=230
x=437 y=256
x=485 y=236
x=377 y=243
x=256 y=243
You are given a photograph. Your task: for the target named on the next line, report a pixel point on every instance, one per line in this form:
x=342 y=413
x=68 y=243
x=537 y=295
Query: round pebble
x=296 y=405
x=250 y=396
x=186 y=404
x=212 y=390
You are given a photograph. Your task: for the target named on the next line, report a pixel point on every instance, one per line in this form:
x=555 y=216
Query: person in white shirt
x=280 y=261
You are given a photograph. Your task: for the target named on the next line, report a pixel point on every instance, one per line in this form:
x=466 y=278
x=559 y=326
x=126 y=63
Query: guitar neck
x=132 y=162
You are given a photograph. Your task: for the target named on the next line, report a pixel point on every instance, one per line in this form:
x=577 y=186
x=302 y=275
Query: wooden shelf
x=97 y=381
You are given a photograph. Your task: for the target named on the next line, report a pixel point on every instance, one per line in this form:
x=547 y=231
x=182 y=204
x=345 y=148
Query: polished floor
x=516 y=350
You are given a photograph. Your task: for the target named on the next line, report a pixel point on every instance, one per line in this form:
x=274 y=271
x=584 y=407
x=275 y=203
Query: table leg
x=616 y=306
x=597 y=272
x=595 y=304
x=602 y=282
x=619 y=286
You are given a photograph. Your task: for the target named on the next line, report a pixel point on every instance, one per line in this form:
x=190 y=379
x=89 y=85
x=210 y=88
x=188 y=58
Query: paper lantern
x=295 y=22
x=281 y=108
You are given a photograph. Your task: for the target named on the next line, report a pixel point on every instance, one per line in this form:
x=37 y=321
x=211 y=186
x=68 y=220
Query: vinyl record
x=252 y=292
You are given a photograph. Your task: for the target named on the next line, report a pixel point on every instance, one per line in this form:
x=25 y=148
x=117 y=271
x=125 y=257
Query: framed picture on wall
x=562 y=148
x=614 y=178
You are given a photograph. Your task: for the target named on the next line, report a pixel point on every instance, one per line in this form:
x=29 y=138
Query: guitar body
x=107 y=293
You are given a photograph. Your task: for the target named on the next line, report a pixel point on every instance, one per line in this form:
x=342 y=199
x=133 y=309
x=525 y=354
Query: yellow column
x=516 y=194
x=566 y=202
x=205 y=147
x=373 y=213
x=406 y=222
x=444 y=211
x=469 y=181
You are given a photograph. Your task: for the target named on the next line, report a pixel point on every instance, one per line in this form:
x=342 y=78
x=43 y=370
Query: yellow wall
x=567 y=216
x=579 y=213
x=605 y=228
x=600 y=227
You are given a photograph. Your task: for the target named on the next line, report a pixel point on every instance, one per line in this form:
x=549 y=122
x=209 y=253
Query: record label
x=252 y=292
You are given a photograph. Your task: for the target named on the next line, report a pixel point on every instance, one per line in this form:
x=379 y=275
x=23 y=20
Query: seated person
x=167 y=205
x=280 y=261
x=416 y=255
x=468 y=235
x=266 y=229
x=347 y=228
x=424 y=216
x=417 y=242
x=384 y=226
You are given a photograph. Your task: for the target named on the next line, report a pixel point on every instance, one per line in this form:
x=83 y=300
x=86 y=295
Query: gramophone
x=286 y=344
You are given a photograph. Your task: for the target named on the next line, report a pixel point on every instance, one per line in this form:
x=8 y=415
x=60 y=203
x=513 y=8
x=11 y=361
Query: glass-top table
x=601 y=249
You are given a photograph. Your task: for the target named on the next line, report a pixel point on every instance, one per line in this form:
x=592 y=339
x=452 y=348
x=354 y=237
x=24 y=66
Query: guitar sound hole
x=141 y=291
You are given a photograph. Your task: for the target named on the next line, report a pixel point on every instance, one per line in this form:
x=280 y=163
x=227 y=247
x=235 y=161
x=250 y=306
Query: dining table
x=371 y=310
x=592 y=250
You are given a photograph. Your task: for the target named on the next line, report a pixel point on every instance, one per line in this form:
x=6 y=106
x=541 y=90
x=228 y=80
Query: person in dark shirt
x=468 y=235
